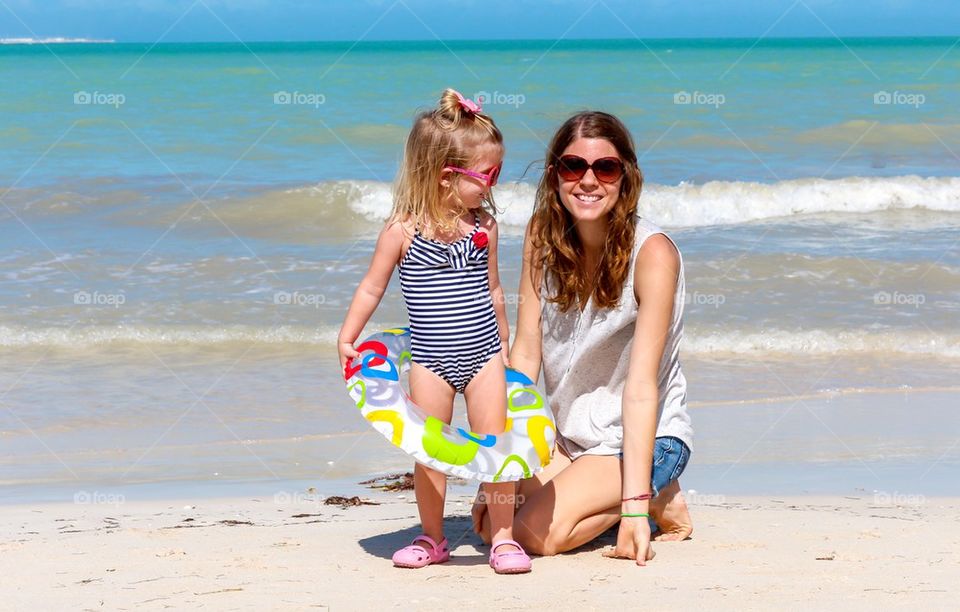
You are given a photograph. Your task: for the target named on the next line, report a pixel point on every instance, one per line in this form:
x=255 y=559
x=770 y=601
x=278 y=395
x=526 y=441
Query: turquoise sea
x=183 y=226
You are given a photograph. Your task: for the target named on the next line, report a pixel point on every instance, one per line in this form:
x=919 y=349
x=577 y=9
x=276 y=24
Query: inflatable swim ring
x=521 y=451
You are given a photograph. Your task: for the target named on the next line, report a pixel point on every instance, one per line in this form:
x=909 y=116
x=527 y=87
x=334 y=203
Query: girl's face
x=471 y=191
x=587 y=198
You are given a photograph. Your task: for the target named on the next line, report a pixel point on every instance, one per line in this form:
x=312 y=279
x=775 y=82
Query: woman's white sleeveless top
x=585 y=361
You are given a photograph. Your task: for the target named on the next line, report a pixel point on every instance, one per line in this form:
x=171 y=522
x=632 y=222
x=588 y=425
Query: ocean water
x=184 y=225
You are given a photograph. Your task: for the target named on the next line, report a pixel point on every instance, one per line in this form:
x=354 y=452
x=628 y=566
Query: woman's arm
x=525 y=354
x=496 y=290
x=370 y=291
x=655 y=284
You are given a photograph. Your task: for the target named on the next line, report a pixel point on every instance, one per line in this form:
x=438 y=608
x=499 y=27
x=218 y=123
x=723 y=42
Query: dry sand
x=226 y=554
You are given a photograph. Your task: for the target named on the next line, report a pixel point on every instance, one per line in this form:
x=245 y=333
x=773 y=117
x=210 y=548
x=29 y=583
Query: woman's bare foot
x=669 y=511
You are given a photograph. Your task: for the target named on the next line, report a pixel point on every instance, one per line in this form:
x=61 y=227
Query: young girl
x=443 y=238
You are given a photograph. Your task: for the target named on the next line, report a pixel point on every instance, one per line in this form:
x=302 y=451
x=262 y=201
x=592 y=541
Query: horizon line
x=84 y=40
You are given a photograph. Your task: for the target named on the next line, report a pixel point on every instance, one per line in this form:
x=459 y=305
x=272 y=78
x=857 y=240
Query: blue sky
x=250 y=20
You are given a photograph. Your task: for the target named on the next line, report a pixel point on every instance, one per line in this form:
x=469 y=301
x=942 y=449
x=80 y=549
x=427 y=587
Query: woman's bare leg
x=525 y=490
x=573 y=507
x=565 y=506
x=669 y=511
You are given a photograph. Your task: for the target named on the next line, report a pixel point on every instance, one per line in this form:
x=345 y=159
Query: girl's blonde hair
x=448 y=135
x=557 y=250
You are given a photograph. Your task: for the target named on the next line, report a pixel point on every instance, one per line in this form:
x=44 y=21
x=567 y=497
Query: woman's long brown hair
x=557 y=250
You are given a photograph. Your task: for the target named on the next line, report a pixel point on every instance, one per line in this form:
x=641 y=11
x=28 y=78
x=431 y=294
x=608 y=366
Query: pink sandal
x=414 y=555
x=512 y=562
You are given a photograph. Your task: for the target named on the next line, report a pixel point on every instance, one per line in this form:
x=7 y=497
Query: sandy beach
x=256 y=553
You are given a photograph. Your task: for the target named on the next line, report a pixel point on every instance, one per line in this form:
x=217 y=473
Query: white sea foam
x=92 y=336
x=697 y=342
x=722 y=202
x=340 y=207
x=821 y=342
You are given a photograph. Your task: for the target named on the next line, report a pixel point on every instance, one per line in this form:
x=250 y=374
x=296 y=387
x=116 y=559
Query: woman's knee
x=545 y=544
x=531 y=541
x=540 y=536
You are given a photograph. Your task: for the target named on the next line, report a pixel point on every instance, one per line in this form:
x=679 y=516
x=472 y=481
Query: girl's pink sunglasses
x=489 y=179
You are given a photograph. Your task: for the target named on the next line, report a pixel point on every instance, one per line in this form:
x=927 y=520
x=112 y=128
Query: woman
x=601 y=310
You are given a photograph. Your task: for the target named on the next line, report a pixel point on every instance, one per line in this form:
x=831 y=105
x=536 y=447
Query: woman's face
x=588 y=198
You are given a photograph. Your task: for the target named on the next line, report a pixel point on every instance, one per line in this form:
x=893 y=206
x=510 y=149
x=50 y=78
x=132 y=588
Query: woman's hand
x=505 y=353
x=633 y=537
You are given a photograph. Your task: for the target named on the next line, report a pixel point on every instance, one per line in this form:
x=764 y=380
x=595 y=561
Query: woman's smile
x=588 y=198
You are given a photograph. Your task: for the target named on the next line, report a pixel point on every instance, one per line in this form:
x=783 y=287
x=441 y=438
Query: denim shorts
x=670 y=456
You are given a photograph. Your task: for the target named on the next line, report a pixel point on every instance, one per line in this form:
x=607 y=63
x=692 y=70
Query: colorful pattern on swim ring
x=524 y=449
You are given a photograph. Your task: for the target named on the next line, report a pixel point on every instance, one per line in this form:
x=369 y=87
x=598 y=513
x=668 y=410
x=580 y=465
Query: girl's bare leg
x=486 y=397
x=435 y=396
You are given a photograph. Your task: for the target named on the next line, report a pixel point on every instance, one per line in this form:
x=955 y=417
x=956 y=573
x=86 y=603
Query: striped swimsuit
x=446 y=287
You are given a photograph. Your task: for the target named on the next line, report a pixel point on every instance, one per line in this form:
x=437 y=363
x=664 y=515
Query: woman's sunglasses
x=606 y=169
x=490 y=179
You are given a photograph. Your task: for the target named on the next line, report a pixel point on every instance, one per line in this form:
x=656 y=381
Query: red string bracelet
x=640 y=497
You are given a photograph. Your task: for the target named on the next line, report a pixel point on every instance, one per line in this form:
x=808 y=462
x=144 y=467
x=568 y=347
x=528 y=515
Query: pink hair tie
x=467 y=104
